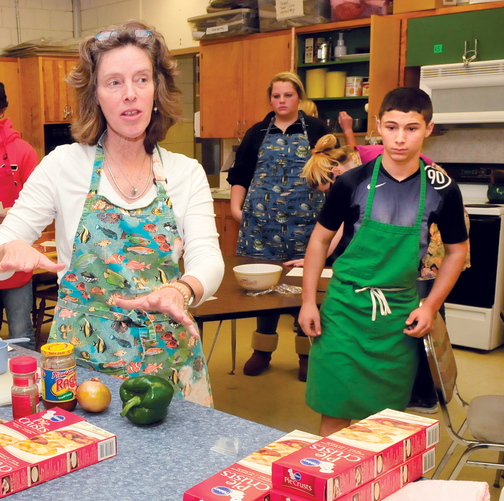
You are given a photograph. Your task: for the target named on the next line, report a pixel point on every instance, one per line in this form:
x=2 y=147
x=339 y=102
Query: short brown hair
x=90 y=122
x=287 y=76
x=408 y=99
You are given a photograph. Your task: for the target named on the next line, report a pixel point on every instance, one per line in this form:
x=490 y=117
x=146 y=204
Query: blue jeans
x=18 y=305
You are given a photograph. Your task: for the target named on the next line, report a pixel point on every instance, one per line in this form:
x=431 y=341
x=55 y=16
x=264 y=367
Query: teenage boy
x=367 y=335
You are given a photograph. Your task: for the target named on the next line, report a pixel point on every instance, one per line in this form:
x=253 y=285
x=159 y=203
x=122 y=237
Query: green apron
x=363 y=362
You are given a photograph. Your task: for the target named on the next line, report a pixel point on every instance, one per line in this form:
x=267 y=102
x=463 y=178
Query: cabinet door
x=221 y=89
x=57 y=107
x=442 y=39
x=383 y=64
x=263 y=59
x=9 y=76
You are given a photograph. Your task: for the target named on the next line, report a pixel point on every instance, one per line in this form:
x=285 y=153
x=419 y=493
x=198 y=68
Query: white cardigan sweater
x=58 y=187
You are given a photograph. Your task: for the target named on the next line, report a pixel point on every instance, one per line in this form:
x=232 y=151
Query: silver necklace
x=134 y=190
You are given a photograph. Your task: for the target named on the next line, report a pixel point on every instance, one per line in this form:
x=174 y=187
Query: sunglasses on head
x=105 y=35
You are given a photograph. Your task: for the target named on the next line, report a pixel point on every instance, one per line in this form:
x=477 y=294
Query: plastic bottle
x=340 y=49
x=59 y=376
x=25 y=392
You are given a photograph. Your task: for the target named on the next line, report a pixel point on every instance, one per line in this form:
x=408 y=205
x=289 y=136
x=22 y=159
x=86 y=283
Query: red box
x=345 y=10
x=250 y=478
x=49 y=444
x=382 y=486
x=338 y=464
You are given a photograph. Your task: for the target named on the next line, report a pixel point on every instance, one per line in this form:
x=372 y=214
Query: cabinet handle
x=470 y=55
x=67 y=111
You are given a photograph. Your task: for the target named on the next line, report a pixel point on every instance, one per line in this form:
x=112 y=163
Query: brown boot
x=302 y=349
x=263 y=345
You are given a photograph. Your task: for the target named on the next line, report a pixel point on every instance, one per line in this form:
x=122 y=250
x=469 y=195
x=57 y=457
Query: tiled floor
x=276 y=398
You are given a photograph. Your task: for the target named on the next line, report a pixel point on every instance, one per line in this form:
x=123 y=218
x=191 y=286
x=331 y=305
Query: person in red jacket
x=17 y=161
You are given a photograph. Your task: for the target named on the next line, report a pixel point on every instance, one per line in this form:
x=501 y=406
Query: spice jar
x=59 y=376
x=25 y=392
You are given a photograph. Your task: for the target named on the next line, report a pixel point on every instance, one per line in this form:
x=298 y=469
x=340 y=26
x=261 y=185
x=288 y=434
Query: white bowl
x=257 y=276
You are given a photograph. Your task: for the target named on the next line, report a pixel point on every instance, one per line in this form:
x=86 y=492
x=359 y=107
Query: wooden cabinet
x=46 y=97
x=235 y=75
x=443 y=39
x=227 y=227
x=9 y=76
x=381 y=34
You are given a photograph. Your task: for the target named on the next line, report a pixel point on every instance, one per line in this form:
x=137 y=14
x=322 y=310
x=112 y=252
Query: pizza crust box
x=383 y=485
x=338 y=464
x=250 y=478
x=47 y=445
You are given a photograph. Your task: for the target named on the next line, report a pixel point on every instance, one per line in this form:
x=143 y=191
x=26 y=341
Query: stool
x=43 y=312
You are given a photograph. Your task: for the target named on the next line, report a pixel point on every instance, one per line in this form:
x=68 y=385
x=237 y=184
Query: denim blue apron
x=363 y=362
x=127 y=252
x=280 y=209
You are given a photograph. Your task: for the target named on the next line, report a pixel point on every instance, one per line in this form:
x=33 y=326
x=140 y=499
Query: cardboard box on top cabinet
x=400 y=6
x=250 y=478
x=338 y=464
x=49 y=444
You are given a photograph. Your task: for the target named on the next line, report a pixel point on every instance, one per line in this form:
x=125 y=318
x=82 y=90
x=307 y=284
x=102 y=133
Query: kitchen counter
x=157 y=462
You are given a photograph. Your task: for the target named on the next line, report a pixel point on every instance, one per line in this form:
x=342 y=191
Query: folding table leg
x=214 y=341
x=233 y=346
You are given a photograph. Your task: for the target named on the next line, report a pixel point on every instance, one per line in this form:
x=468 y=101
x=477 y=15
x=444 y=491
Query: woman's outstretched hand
x=168 y=301
x=19 y=255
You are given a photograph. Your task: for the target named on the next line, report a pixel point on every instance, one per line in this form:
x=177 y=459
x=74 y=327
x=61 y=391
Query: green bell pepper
x=145 y=399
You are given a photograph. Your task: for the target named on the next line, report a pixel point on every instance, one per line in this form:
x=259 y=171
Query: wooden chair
x=484 y=420
x=45 y=294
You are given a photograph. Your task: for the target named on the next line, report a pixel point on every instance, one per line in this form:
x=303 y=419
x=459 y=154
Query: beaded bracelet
x=180 y=288
x=193 y=294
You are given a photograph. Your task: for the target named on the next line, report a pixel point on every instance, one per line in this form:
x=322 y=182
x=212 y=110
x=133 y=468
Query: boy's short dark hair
x=407 y=99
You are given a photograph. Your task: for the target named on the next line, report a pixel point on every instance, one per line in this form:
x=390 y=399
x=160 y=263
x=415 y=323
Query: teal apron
x=280 y=209
x=363 y=362
x=128 y=253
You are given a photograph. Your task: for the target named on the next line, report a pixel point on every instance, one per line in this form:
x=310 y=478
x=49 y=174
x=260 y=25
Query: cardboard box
x=400 y=6
x=49 y=444
x=382 y=486
x=283 y=15
x=338 y=464
x=250 y=478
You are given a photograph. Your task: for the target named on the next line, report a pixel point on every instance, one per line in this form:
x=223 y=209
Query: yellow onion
x=93 y=396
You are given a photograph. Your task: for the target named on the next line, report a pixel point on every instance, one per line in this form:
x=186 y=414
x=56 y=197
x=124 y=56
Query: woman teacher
x=126 y=210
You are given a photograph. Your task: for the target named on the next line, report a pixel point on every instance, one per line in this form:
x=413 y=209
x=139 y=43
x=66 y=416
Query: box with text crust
x=338 y=464
x=49 y=444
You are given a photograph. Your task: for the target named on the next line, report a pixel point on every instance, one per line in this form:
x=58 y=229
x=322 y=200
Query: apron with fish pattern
x=280 y=209
x=127 y=253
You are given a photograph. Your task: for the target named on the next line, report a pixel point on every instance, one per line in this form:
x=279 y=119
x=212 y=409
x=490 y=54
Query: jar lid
x=57 y=349
x=23 y=365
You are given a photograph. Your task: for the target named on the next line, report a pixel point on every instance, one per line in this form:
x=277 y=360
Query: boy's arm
x=315 y=257
x=447 y=276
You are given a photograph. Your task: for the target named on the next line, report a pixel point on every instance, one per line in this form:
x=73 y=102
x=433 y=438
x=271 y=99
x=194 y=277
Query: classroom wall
x=54 y=18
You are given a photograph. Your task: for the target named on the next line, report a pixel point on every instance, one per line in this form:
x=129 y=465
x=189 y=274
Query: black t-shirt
x=246 y=156
x=395 y=202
